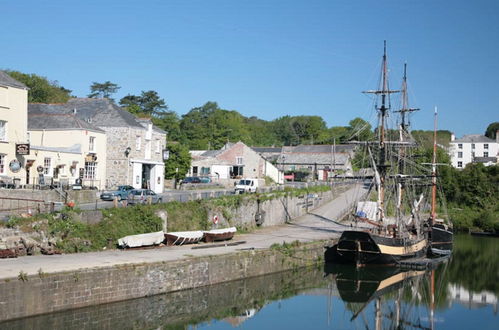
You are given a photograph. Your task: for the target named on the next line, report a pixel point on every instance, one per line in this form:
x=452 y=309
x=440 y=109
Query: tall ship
x=396 y=219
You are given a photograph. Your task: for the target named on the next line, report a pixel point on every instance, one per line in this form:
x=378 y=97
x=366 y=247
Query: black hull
x=441 y=238
x=363 y=248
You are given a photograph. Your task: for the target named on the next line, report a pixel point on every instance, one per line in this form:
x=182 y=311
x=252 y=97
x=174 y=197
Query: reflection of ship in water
x=358 y=287
x=367 y=283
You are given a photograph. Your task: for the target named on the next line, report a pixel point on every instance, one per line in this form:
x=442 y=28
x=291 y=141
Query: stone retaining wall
x=45 y=293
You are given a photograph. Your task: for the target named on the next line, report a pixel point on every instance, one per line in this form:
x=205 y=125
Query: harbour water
x=459 y=294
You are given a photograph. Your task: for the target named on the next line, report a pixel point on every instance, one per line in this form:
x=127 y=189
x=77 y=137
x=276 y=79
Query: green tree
x=103 y=90
x=491 y=130
x=148 y=103
x=360 y=130
x=41 y=90
x=179 y=162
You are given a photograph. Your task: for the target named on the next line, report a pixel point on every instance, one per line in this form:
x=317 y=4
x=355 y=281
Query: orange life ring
x=215 y=219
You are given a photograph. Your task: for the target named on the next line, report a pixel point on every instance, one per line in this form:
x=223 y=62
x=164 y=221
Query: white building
x=473 y=148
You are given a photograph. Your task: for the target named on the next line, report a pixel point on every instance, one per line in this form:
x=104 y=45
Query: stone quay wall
x=45 y=293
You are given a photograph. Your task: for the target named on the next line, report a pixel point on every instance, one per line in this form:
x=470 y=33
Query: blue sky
x=268 y=58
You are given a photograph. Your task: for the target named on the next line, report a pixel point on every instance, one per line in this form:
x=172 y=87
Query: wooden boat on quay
x=223 y=234
x=183 y=237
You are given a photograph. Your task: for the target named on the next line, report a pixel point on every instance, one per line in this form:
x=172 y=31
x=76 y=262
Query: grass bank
x=71 y=235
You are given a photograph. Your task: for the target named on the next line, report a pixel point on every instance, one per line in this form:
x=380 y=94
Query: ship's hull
x=364 y=248
x=441 y=239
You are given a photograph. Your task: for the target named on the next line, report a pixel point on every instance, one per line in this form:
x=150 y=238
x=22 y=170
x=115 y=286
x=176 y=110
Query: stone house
x=134 y=147
x=321 y=161
x=232 y=161
x=13 y=130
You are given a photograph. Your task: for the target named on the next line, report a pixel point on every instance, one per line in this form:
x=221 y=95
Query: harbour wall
x=29 y=295
x=230 y=301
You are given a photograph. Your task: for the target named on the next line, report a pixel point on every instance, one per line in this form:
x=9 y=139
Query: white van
x=246 y=185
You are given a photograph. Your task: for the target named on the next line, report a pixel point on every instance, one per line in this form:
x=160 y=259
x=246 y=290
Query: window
x=486 y=146
x=472 y=146
x=47 y=166
x=239 y=160
x=485 y=154
x=460 y=154
x=460 y=146
x=3 y=130
x=459 y=164
x=90 y=170
x=158 y=146
x=205 y=170
x=137 y=143
x=2 y=164
x=472 y=154
x=91 y=143
x=4 y=97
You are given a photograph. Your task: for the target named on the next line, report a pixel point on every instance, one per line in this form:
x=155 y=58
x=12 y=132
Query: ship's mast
x=434 y=172
x=403 y=133
x=385 y=92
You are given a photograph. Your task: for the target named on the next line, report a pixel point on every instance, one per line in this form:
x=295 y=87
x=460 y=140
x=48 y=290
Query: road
x=320 y=224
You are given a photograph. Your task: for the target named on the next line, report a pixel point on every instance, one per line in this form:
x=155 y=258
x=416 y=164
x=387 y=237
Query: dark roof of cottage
x=7 y=80
x=103 y=112
x=267 y=149
x=316 y=158
x=37 y=121
x=99 y=112
x=474 y=138
x=319 y=148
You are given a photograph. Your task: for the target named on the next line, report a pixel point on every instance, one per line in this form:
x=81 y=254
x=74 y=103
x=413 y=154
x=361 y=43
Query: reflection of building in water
x=473 y=299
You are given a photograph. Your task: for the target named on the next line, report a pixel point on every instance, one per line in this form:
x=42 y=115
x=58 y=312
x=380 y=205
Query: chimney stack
x=452 y=137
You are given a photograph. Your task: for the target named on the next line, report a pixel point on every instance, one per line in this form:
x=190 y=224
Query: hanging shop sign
x=22 y=149
x=15 y=166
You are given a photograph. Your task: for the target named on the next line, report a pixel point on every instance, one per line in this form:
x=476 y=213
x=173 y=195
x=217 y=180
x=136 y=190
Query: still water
x=459 y=294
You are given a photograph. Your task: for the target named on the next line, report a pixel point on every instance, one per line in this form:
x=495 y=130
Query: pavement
x=319 y=224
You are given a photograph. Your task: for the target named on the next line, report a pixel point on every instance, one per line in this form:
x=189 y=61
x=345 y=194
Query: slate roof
x=473 y=138
x=267 y=149
x=310 y=159
x=98 y=112
x=7 y=80
x=37 y=121
x=320 y=148
x=102 y=112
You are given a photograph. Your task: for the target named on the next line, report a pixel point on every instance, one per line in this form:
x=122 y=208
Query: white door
x=137 y=175
x=157 y=178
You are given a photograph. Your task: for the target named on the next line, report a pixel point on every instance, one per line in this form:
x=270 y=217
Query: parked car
x=191 y=179
x=121 y=193
x=205 y=179
x=246 y=185
x=141 y=196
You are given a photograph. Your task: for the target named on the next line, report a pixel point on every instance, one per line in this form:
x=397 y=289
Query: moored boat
x=219 y=234
x=183 y=237
x=389 y=225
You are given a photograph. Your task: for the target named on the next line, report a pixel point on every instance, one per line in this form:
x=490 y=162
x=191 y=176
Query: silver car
x=142 y=196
